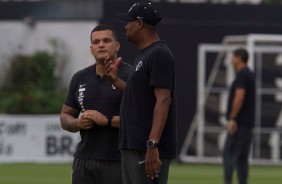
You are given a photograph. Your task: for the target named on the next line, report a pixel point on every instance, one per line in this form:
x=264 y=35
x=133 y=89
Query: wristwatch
x=109 y=124
x=152 y=144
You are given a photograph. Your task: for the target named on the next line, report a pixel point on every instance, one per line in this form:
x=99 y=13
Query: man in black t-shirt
x=148 y=114
x=92 y=107
x=241 y=117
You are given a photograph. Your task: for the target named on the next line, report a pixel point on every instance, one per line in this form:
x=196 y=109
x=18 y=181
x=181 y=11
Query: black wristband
x=109 y=121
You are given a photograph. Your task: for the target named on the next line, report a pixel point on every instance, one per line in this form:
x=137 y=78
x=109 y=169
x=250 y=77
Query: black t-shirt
x=89 y=91
x=153 y=67
x=244 y=79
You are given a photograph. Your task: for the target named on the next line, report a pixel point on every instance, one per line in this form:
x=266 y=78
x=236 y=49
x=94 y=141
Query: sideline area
x=179 y=174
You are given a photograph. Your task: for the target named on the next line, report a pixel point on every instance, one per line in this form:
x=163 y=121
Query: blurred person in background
x=241 y=117
x=92 y=107
x=148 y=108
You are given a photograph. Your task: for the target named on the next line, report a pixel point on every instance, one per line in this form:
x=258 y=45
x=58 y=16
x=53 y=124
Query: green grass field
x=179 y=174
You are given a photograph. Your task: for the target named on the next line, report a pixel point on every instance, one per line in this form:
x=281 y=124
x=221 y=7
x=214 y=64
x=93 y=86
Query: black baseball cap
x=144 y=11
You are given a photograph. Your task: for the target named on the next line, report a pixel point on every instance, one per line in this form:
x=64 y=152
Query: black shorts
x=96 y=172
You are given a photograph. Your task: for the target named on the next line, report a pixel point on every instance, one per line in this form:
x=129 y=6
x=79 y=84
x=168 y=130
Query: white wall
x=73 y=36
x=35 y=138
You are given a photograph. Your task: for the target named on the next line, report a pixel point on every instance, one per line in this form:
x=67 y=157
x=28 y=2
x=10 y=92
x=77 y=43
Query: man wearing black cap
x=148 y=116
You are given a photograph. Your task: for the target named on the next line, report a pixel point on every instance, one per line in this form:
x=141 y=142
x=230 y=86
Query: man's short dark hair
x=242 y=53
x=103 y=27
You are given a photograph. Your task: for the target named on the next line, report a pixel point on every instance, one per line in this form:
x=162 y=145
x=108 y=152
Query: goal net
x=206 y=135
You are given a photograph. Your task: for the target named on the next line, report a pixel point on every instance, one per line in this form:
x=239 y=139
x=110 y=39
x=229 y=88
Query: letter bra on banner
x=35 y=138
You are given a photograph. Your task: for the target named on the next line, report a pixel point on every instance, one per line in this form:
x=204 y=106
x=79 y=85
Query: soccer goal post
x=207 y=132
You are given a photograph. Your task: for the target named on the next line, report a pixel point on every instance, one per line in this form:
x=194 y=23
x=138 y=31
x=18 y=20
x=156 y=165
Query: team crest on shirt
x=113 y=87
x=139 y=65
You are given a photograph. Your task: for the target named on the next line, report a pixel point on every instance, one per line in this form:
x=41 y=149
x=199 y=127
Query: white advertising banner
x=35 y=138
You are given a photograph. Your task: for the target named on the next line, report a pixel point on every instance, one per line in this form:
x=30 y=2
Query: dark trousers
x=96 y=172
x=235 y=155
x=133 y=173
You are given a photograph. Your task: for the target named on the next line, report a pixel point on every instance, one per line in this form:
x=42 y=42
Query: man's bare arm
x=119 y=84
x=160 y=113
x=111 y=72
x=152 y=160
x=100 y=119
x=71 y=122
x=237 y=102
x=235 y=109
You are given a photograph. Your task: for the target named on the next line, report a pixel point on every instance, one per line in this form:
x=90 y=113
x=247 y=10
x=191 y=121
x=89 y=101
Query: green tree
x=29 y=86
